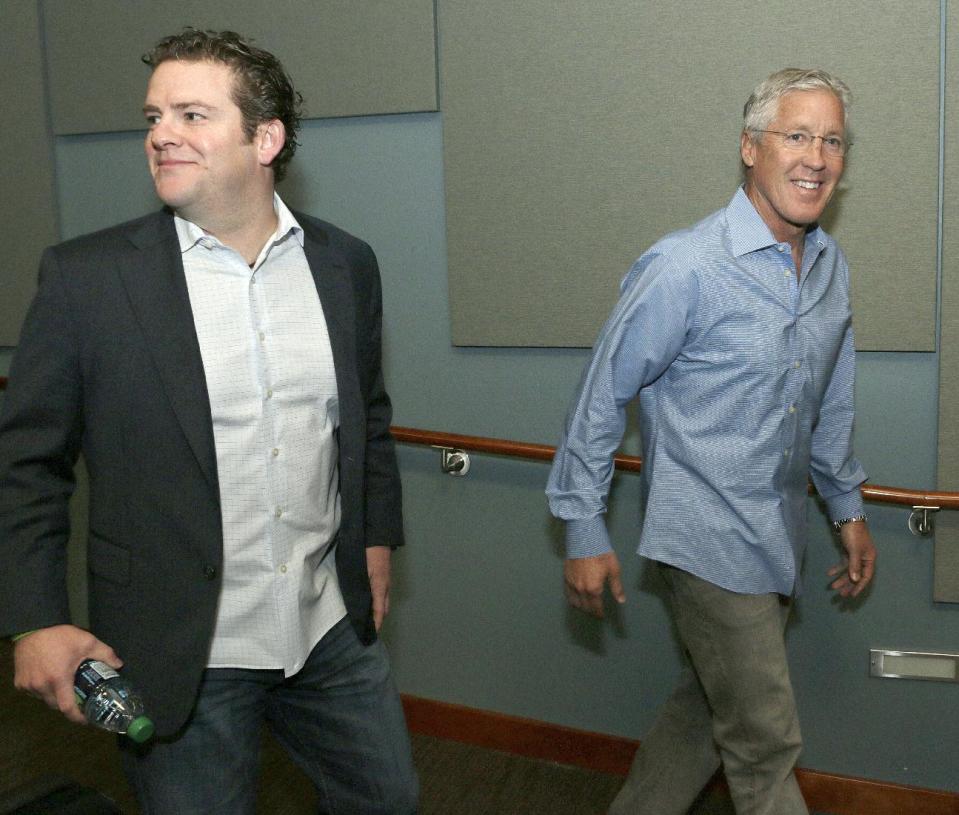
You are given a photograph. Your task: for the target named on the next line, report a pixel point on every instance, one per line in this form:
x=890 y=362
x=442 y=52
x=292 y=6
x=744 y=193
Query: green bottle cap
x=140 y=729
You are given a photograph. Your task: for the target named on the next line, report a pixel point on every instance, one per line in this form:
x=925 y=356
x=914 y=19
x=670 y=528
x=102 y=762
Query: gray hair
x=761 y=107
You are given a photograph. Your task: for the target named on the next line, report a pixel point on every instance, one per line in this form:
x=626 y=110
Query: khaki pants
x=734 y=704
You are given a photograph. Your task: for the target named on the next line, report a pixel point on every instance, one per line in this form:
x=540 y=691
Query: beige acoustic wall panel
x=946 y=579
x=28 y=220
x=347 y=57
x=576 y=134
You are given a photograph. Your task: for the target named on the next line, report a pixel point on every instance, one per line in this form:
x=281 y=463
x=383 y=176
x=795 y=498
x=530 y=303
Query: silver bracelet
x=838 y=525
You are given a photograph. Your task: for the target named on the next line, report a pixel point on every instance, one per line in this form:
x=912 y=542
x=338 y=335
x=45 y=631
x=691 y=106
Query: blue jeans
x=339 y=718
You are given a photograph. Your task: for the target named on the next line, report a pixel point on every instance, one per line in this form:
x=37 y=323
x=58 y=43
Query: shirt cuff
x=587 y=538
x=847 y=505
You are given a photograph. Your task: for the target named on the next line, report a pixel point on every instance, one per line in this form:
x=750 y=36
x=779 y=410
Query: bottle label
x=89 y=675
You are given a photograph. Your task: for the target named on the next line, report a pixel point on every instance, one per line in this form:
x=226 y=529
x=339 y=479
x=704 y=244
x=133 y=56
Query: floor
x=38 y=744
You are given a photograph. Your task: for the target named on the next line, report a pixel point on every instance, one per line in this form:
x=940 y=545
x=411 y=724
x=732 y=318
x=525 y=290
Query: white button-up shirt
x=273 y=398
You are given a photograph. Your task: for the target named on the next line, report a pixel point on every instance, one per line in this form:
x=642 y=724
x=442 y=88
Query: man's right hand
x=585 y=579
x=46 y=660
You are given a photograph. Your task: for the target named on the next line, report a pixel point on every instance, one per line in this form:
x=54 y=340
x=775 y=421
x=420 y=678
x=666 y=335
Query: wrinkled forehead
x=818 y=110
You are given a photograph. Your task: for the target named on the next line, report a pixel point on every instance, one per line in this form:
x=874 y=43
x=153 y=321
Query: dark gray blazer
x=109 y=365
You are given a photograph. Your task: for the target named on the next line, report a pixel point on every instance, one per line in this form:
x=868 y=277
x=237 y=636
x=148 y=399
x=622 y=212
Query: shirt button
x=283 y=569
x=262 y=336
x=792 y=408
x=269 y=391
x=277 y=512
x=798 y=364
x=275 y=451
x=209 y=572
x=786 y=452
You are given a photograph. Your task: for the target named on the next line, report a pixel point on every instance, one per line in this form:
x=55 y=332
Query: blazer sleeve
x=40 y=431
x=384 y=515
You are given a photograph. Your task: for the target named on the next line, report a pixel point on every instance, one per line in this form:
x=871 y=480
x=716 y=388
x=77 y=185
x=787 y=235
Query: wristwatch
x=838 y=525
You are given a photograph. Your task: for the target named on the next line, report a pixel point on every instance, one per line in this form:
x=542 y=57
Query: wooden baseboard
x=836 y=794
x=526 y=737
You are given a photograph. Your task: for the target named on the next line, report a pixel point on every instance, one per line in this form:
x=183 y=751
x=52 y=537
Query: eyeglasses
x=800 y=140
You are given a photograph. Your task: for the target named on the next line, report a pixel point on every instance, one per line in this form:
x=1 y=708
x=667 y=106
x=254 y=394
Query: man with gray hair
x=736 y=334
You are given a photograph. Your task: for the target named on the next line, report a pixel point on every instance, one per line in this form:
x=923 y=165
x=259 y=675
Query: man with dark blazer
x=218 y=366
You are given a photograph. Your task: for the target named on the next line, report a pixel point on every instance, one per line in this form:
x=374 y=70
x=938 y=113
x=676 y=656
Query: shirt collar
x=286 y=222
x=748 y=232
x=189 y=234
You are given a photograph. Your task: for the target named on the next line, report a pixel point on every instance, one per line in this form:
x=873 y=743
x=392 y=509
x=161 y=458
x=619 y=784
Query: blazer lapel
x=156 y=287
x=331 y=275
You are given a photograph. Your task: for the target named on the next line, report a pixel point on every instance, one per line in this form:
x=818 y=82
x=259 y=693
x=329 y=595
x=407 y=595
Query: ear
x=270 y=136
x=747 y=149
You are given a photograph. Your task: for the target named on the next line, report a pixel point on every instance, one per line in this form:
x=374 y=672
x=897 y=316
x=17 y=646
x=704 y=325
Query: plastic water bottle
x=108 y=701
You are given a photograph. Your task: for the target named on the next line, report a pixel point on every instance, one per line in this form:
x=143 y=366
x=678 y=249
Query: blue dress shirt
x=745 y=380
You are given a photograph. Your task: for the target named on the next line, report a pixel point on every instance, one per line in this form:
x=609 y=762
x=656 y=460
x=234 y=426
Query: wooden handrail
x=501 y=447
x=544 y=452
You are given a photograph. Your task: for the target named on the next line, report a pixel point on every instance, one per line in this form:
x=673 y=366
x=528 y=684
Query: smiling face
x=790 y=188
x=203 y=165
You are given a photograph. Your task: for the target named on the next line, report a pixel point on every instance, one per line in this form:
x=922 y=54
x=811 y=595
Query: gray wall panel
x=28 y=220
x=574 y=140
x=947 y=528
x=347 y=58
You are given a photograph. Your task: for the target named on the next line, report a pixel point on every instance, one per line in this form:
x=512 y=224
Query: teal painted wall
x=478 y=615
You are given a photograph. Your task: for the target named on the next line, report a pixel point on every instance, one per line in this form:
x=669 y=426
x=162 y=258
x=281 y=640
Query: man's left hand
x=859 y=564
x=378 y=569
